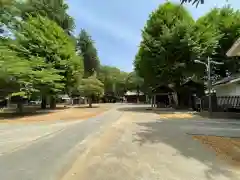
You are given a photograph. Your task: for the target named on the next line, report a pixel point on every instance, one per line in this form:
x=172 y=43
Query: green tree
x=91 y=87
x=121 y=87
x=166 y=49
x=113 y=80
x=55 y=10
x=226 y=23
x=134 y=82
x=86 y=49
x=20 y=75
x=15 y=74
x=9 y=10
x=59 y=67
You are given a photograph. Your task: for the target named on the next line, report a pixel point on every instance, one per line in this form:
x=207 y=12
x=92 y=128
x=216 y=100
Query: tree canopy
x=172 y=40
x=165 y=52
x=87 y=49
x=113 y=79
x=41 y=57
x=47 y=61
x=225 y=22
x=56 y=50
x=90 y=87
x=55 y=10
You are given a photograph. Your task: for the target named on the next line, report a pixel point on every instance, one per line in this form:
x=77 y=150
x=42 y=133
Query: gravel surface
x=144 y=147
x=47 y=150
x=124 y=143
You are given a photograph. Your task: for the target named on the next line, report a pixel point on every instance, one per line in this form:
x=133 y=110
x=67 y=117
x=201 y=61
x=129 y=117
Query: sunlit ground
x=225 y=148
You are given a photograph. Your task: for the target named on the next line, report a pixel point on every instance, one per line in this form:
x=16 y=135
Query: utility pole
x=209 y=82
x=209 y=86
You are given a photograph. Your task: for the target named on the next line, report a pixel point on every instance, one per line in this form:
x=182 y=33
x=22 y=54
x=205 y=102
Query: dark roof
x=229 y=79
x=162 y=89
x=191 y=82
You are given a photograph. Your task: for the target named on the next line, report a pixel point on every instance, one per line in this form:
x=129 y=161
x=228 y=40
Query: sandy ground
x=137 y=147
x=227 y=149
x=70 y=113
x=176 y=116
x=126 y=142
x=45 y=150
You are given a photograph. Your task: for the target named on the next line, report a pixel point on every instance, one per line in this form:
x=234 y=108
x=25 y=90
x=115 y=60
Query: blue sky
x=115 y=25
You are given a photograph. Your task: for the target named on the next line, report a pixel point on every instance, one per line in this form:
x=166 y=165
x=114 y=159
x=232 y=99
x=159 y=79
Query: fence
x=221 y=103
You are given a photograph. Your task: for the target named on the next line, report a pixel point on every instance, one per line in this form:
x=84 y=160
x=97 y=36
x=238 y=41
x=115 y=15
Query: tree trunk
x=9 y=102
x=53 y=102
x=20 y=107
x=44 y=102
x=90 y=102
x=152 y=102
x=138 y=92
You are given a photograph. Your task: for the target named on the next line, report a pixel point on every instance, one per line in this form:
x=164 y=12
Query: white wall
x=232 y=89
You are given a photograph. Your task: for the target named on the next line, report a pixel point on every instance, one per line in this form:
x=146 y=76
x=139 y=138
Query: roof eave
x=234 y=50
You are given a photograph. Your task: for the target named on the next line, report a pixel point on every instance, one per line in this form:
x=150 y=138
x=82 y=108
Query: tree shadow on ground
x=137 y=109
x=220 y=115
x=86 y=107
x=148 y=109
x=27 y=112
x=168 y=132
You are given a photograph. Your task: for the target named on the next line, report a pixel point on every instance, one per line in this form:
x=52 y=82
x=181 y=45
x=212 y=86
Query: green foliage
x=51 y=55
x=15 y=72
x=167 y=47
x=113 y=80
x=91 y=86
x=55 y=10
x=9 y=10
x=134 y=82
x=172 y=40
x=226 y=24
x=87 y=50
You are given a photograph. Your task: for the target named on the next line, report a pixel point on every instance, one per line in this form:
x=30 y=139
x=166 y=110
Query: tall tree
x=91 y=87
x=166 y=48
x=113 y=80
x=9 y=10
x=134 y=82
x=55 y=10
x=14 y=71
x=59 y=67
x=86 y=49
x=226 y=23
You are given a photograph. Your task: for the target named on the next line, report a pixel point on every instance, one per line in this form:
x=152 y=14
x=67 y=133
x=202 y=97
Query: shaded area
x=220 y=115
x=170 y=133
x=87 y=107
x=135 y=108
x=148 y=109
x=60 y=113
x=28 y=111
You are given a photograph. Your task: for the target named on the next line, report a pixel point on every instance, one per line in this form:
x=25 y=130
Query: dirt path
x=97 y=146
x=71 y=113
x=46 y=150
x=137 y=147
